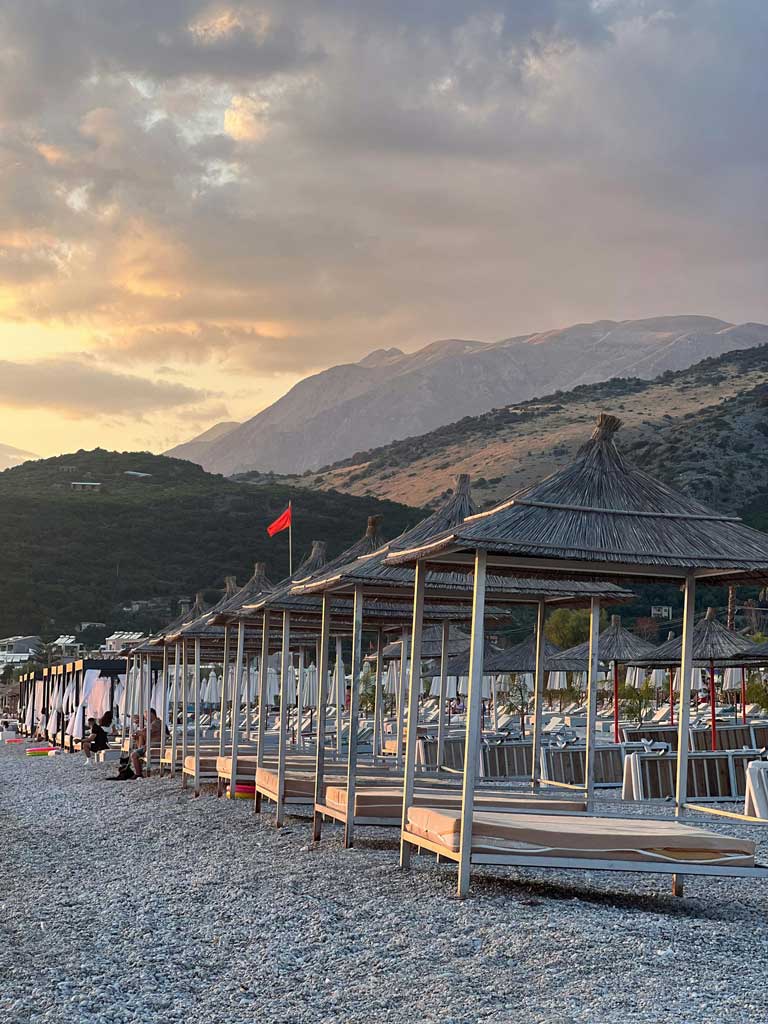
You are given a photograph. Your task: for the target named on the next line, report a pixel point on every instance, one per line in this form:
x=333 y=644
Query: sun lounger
x=756 y=797
x=712 y=775
x=382 y=805
x=575 y=841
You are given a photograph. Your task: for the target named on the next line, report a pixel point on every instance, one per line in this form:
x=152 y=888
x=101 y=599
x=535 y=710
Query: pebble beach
x=134 y=902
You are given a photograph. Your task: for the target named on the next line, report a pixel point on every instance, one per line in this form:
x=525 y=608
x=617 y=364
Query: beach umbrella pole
x=743 y=695
x=712 y=704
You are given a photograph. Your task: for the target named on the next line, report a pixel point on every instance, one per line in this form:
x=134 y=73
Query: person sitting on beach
x=95 y=741
x=140 y=738
x=41 y=729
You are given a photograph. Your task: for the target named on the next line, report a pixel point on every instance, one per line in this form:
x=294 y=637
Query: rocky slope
x=196 y=449
x=391 y=394
x=704 y=430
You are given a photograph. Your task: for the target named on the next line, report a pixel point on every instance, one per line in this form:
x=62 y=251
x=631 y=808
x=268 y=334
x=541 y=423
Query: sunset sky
x=202 y=202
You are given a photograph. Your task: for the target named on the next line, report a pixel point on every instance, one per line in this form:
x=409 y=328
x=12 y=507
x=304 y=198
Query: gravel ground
x=134 y=902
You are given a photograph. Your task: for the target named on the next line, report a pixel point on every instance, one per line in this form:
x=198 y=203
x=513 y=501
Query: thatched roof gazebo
x=713 y=644
x=598 y=518
x=617 y=647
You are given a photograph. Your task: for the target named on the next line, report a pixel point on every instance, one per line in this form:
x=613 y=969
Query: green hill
x=156 y=528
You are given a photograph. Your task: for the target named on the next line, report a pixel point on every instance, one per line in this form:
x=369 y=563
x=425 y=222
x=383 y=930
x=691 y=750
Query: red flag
x=283 y=522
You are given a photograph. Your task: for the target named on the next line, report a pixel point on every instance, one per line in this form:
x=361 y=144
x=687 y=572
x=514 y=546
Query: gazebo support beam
x=684 y=706
x=175 y=715
x=235 y=701
x=163 y=706
x=263 y=678
x=414 y=685
x=322 y=700
x=474 y=721
x=285 y=667
x=538 y=695
x=354 y=711
x=593 y=669
x=223 y=701
x=401 y=688
x=197 y=717
x=444 y=649
x=378 y=711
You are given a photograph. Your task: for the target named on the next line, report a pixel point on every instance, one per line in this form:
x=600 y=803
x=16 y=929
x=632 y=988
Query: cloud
x=80 y=390
x=264 y=188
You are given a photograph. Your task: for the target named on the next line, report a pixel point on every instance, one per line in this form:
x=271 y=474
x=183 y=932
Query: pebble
x=125 y=903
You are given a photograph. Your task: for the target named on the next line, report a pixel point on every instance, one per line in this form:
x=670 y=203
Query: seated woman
x=95 y=741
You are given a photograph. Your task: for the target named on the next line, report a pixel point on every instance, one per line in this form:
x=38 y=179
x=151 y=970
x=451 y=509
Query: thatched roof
x=458 y=665
x=432 y=643
x=712 y=642
x=615 y=643
x=373 y=573
x=150 y=644
x=605 y=513
x=522 y=657
x=259 y=583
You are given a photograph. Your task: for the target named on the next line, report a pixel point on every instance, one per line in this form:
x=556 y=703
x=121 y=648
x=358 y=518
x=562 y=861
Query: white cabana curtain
x=309 y=687
x=697 y=681
x=732 y=680
x=558 y=681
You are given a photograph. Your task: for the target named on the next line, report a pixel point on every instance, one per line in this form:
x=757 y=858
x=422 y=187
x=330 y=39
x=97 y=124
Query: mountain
x=197 y=448
x=13 y=456
x=704 y=430
x=391 y=395
x=157 y=529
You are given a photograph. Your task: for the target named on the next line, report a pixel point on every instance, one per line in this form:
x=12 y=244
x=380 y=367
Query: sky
x=201 y=203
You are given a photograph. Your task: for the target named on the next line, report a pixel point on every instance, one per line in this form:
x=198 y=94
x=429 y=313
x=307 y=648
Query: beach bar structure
x=599 y=518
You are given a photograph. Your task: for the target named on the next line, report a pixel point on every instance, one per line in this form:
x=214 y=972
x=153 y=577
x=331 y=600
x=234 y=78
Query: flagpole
x=290 y=541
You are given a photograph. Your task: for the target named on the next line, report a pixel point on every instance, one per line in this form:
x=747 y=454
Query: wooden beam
x=235 y=712
x=223 y=701
x=684 y=705
x=322 y=697
x=414 y=686
x=378 y=697
x=174 y=716
x=197 y=716
x=401 y=688
x=354 y=713
x=263 y=676
x=539 y=676
x=282 y=738
x=593 y=668
x=445 y=640
x=474 y=722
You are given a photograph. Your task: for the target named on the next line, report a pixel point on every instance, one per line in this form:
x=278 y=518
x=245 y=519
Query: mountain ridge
x=390 y=394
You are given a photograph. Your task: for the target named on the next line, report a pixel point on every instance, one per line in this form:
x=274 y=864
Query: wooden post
x=174 y=718
x=671 y=695
x=339 y=694
x=184 y=699
x=164 y=702
x=247 y=702
x=223 y=701
x=286 y=666
x=354 y=711
x=263 y=673
x=235 y=712
x=197 y=715
x=414 y=685
x=441 y=700
x=684 y=705
x=300 y=699
x=378 y=711
x=322 y=696
x=592 y=673
x=474 y=710
x=401 y=687
x=615 y=702
x=538 y=696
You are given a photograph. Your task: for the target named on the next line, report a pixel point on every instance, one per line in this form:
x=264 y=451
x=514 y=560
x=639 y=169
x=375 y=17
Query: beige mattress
x=207 y=764
x=387 y=801
x=246 y=766
x=296 y=786
x=544 y=835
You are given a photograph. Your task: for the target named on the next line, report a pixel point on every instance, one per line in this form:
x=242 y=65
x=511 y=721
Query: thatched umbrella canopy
x=713 y=644
x=458 y=665
x=522 y=657
x=432 y=644
x=608 y=514
x=615 y=645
